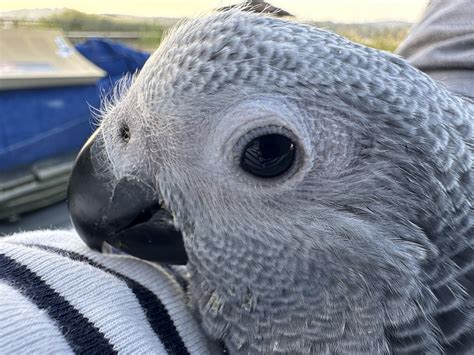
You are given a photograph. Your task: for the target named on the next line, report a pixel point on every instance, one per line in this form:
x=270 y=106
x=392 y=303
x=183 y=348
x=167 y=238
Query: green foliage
x=385 y=36
x=72 y=20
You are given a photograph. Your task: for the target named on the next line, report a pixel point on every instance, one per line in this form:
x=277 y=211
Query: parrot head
x=304 y=179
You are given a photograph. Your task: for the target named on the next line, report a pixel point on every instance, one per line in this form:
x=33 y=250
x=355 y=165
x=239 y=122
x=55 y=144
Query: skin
x=364 y=246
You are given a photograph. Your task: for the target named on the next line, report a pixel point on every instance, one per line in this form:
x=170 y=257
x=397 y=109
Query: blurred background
x=378 y=23
x=59 y=58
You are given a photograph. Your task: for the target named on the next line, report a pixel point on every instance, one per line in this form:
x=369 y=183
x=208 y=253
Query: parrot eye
x=268 y=156
x=124 y=132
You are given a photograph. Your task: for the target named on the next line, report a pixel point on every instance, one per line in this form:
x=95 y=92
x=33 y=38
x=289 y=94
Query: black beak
x=125 y=213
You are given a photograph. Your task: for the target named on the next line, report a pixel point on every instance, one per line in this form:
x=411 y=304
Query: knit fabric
x=60 y=297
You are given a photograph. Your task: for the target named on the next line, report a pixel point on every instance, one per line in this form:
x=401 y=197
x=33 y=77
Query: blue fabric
x=115 y=58
x=41 y=123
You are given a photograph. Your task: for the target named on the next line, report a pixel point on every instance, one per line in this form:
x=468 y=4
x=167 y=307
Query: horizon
x=349 y=11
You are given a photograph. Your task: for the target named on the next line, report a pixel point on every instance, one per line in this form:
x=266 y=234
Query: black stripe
x=82 y=336
x=177 y=276
x=155 y=311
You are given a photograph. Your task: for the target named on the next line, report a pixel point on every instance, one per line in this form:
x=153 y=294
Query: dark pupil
x=125 y=132
x=268 y=156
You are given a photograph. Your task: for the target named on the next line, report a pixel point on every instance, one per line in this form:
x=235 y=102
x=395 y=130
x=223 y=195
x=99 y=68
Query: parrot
x=318 y=191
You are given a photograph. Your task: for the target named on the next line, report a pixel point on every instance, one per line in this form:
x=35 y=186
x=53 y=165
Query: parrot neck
x=332 y=317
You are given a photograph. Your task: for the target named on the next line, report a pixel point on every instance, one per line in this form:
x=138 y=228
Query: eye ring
x=124 y=133
x=268 y=155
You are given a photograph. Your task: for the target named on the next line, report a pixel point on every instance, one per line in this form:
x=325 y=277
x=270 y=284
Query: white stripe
x=24 y=327
x=102 y=298
x=152 y=276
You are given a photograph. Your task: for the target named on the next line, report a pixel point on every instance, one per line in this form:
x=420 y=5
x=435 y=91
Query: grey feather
x=366 y=246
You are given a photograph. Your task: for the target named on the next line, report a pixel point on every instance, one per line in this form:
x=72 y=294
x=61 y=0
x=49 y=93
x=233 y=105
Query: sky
x=321 y=10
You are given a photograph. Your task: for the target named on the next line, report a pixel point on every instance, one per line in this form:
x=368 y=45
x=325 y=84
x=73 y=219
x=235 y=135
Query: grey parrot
x=318 y=191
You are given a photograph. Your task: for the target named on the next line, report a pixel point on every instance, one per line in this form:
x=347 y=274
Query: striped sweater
x=57 y=296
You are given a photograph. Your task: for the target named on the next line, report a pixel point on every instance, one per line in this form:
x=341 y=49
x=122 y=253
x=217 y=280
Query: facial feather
x=359 y=239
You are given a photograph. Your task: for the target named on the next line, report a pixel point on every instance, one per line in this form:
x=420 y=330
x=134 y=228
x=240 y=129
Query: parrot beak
x=124 y=213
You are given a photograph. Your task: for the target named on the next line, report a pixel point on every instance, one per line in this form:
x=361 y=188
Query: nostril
x=124 y=132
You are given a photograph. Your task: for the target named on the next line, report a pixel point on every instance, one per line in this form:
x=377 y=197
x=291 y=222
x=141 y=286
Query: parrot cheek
x=124 y=213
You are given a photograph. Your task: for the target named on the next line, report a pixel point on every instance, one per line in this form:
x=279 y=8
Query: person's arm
x=58 y=296
x=442 y=44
